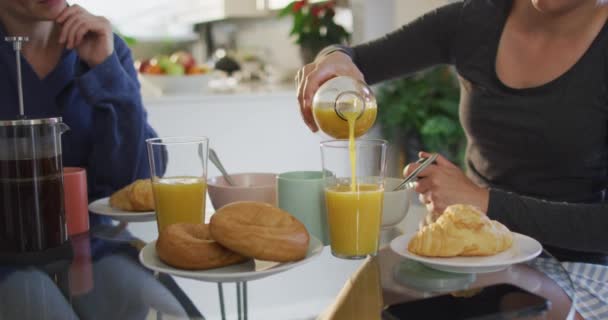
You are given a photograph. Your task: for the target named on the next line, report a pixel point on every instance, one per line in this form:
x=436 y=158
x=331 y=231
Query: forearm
x=580 y=227
x=425 y=42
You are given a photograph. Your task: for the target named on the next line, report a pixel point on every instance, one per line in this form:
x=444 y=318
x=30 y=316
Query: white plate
x=102 y=207
x=246 y=271
x=523 y=249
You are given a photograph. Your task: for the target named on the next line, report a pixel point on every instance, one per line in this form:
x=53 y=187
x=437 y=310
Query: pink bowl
x=249 y=187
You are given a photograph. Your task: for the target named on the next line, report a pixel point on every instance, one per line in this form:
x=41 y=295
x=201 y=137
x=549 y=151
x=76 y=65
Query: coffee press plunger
x=17 y=46
x=32 y=214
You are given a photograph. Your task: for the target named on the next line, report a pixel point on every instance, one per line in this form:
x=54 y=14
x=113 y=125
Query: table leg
x=220 y=291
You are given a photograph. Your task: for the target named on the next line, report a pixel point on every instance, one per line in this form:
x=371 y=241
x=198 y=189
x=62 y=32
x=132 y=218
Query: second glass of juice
x=178 y=167
x=354 y=203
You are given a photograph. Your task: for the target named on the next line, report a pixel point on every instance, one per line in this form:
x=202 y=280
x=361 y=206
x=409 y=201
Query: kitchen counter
x=262 y=127
x=261 y=124
x=241 y=91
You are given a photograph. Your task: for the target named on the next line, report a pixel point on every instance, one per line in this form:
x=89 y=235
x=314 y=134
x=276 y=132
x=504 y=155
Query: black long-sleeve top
x=542 y=151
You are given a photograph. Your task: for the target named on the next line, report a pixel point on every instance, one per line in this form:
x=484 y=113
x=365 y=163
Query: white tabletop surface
x=300 y=293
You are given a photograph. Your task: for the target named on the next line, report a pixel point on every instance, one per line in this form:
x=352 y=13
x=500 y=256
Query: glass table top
x=100 y=277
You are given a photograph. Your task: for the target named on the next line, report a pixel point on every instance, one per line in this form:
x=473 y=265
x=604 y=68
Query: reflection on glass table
x=93 y=278
x=102 y=279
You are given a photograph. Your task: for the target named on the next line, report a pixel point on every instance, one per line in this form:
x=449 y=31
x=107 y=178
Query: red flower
x=316 y=11
x=298 y=5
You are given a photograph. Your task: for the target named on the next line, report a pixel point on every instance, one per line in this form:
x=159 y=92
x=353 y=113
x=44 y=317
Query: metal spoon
x=408 y=181
x=216 y=161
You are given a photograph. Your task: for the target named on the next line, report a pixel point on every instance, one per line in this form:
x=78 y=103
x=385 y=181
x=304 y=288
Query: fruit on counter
x=183 y=58
x=177 y=64
x=175 y=69
x=196 y=70
x=150 y=67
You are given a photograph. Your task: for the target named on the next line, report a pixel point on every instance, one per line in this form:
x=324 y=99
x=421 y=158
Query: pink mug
x=76 y=200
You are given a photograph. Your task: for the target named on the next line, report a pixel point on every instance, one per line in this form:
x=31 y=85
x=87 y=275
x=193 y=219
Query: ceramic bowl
x=249 y=187
x=396 y=203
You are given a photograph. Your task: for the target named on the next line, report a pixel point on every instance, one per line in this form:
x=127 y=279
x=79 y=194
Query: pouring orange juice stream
x=354 y=211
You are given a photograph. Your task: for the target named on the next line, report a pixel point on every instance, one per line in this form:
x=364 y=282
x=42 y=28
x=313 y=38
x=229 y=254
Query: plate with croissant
x=464 y=240
x=133 y=203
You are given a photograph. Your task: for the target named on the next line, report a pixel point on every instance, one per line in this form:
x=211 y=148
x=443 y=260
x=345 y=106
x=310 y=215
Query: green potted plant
x=420 y=112
x=314 y=27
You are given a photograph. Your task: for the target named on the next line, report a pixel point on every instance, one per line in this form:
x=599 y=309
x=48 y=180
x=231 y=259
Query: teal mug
x=302 y=194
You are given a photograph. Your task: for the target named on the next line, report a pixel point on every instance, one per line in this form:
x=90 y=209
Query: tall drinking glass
x=354 y=203
x=179 y=178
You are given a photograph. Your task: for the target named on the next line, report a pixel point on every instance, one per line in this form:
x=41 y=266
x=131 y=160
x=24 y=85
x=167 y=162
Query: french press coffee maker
x=32 y=216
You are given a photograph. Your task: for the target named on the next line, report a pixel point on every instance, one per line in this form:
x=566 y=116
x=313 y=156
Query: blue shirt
x=101 y=105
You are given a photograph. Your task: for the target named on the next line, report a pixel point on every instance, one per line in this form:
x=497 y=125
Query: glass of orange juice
x=354 y=191
x=178 y=167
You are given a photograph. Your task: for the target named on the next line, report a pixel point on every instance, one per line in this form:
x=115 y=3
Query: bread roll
x=261 y=231
x=189 y=246
x=461 y=230
x=136 y=196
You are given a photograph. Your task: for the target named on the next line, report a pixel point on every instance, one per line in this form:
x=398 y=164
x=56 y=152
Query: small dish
x=102 y=207
x=249 y=187
x=523 y=249
x=247 y=271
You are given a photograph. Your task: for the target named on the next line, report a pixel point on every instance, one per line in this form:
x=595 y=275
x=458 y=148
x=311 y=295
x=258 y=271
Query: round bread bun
x=189 y=246
x=261 y=231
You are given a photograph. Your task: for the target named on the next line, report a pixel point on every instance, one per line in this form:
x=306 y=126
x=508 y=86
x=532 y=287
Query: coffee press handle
x=62 y=127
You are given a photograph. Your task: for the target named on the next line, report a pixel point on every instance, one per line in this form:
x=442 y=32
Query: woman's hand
x=312 y=75
x=90 y=35
x=443 y=184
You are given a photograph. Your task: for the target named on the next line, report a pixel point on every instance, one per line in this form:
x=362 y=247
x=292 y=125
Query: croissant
x=135 y=197
x=462 y=230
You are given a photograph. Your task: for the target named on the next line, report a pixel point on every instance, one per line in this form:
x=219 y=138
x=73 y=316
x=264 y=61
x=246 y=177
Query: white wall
x=374 y=18
x=408 y=10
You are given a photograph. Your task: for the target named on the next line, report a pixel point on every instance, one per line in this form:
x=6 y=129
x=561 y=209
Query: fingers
x=433 y=204
x=71 y=20
x=68 y=12
x=305 y=110
x=410 y=168
x=76 y=23
x=79 y=36
x=79 y=26
x=441 y=160
x=313 y=81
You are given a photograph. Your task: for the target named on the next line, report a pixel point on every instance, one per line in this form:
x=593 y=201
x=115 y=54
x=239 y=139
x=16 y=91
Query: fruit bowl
x=178 y=73
x=175 y=84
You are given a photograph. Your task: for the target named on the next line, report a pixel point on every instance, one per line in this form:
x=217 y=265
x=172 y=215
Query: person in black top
x=534 y=107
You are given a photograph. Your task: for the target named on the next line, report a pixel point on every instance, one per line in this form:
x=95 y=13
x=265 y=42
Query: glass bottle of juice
x=341 y=101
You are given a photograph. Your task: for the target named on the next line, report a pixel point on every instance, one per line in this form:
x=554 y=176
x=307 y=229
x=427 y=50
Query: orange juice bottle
x=340 y=100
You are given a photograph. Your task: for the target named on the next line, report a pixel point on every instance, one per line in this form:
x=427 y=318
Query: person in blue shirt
x=74 y=67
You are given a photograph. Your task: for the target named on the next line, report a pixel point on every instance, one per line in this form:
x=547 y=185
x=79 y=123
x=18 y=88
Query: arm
x=425 y=42
x=120 y=125
x=573 y=226
x=581 y=227
x=420 y=44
